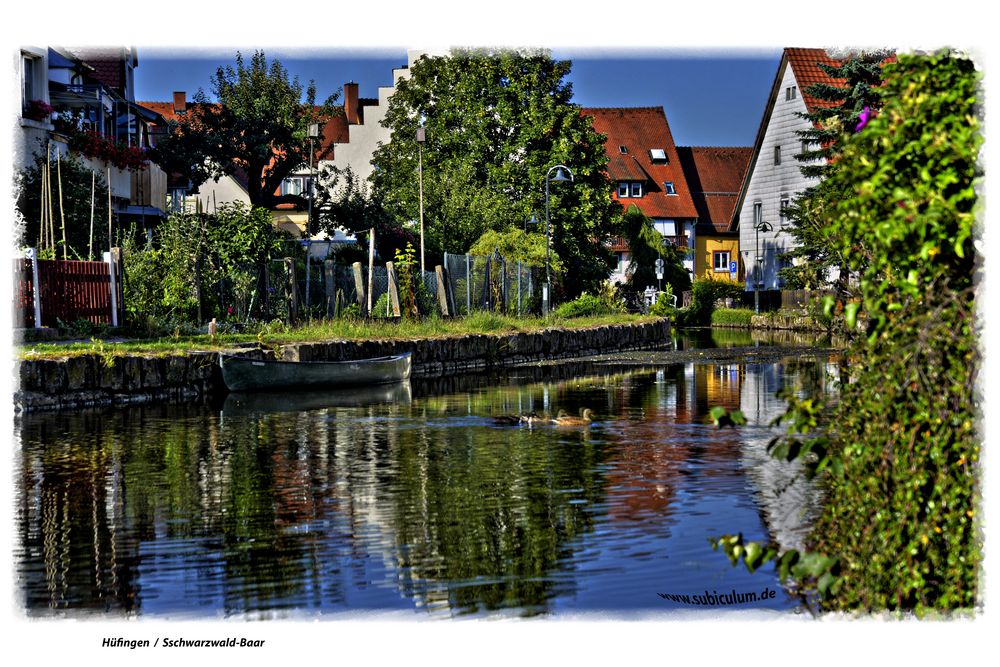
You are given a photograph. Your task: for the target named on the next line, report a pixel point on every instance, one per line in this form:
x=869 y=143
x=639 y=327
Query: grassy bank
x=343 y=329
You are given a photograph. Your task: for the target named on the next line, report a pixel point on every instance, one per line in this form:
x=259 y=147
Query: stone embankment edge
x=83 y=381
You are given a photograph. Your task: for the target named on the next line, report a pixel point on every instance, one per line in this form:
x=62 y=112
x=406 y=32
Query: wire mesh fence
x=300 y=288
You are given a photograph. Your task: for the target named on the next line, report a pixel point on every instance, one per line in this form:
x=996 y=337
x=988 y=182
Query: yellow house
x=715 y=175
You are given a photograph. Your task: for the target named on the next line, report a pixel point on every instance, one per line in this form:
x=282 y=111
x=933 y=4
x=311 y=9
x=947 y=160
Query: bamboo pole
x=62 y=211
x=41 y=209
x=93 y=191
x=110 y=239
x=48 y=185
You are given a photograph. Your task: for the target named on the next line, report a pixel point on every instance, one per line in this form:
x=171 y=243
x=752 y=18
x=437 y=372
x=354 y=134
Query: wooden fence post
x=291 y=291
x=359 y=285
x=116 y=257
x=110 y=261
x=36 y=291
x=443 y=291
x=328 y=283
x=393 y=289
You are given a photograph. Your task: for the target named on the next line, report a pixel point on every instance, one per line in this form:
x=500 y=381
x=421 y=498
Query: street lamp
x=313 y=134
x=421 y=138
x=533 y=221
x=560 y=177
x=761 y=226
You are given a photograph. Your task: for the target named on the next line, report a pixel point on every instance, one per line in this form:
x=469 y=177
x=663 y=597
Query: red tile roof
x=334 y=129
x=640 y=129
x=714 y=175
x=108 y=64
x=805 y=65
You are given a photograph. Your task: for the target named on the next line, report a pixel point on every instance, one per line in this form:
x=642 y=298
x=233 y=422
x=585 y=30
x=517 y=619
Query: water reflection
x=403 y=500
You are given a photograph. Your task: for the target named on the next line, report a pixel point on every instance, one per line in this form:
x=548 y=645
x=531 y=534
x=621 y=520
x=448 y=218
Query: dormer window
x=668 y=187
x=623 y=150
x=629 y=189
x=657 y=155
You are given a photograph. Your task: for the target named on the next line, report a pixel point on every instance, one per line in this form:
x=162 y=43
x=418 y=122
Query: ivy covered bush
x=899 y=452
x=903 y=516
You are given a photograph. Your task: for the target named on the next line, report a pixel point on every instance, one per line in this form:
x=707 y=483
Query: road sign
x=733 y=267
x=659 y=265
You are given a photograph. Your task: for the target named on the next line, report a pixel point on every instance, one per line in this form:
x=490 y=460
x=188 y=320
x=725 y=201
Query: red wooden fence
x=70 y=291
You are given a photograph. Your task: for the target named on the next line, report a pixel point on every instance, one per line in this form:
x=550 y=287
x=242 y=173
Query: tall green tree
x=856 y=90
x=257 y=126
x=646 y=246
x=495 y=122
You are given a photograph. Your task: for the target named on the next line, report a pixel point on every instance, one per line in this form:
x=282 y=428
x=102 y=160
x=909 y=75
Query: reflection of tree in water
x=481 y=517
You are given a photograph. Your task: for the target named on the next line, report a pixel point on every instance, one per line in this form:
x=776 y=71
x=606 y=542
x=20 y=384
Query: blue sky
x=712 y=98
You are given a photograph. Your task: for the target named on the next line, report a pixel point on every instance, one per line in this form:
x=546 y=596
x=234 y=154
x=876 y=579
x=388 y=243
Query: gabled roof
x=640 y=129
x=805 y=67
x=715 y=175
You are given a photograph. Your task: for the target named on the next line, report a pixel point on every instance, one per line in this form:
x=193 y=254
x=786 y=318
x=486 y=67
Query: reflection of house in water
x=788 y=501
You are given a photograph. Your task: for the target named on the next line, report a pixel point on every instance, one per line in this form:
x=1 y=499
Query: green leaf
x=851 y=315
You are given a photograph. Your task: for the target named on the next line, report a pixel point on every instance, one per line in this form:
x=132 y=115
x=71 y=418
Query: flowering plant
x=37 y=110
x=94 y=145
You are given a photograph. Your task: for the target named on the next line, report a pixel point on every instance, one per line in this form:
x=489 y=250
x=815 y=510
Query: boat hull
x=242 y=374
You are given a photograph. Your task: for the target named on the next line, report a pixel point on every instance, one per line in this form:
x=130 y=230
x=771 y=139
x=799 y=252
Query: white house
x=774 y=178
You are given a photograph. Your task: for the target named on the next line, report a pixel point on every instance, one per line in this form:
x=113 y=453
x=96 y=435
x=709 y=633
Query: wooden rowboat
x=242 y=374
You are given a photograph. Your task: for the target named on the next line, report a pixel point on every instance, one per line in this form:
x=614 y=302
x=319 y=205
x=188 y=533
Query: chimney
x=180 y=101
x=351 y=103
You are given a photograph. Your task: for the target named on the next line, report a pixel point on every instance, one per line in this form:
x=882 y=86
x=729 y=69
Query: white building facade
x=774 y=178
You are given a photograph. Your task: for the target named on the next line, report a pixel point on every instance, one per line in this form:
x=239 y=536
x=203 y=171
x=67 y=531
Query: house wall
x=30 y=141
x=365 y=138
x=705 y=246
x=211 y=194
x=769 y=183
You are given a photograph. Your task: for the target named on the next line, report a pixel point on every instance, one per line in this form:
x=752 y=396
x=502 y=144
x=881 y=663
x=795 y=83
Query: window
x=668 y=187
x=636 y=189
x=782 y=213
x=777 y=155
x=622 y=189
x=790 y=93
x=758 y=213
x=296 y=185
x=657 y=155
x=28 y=79
x=621 y=262
x=805 y=146
x=720 y=261
x=623 y=150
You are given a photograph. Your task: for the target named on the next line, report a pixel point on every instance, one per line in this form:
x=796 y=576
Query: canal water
x=413 y=499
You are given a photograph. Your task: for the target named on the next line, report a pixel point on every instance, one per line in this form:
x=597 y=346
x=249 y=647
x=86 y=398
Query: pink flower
x=863 y=119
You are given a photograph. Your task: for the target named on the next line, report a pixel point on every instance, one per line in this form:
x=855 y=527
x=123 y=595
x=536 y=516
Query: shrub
x=705 y=293
x=583 y=306
x=664 y=305
x=732 y=317
x=900 y=456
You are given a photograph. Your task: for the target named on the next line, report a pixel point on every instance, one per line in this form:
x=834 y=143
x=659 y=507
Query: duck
x=563 y=419
x=515 y=420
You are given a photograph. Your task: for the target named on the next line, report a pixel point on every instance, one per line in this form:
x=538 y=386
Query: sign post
x=659 y=272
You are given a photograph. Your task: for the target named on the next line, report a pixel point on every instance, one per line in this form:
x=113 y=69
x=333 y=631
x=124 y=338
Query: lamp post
x=313 y=134
x=761 y=226
x=421 y=137
x=560 y=177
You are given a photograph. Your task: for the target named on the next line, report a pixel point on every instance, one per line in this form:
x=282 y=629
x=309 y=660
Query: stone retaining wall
x=93 y=380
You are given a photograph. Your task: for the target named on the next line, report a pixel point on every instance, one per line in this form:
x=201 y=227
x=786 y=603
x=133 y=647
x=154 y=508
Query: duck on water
x=532 y=419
